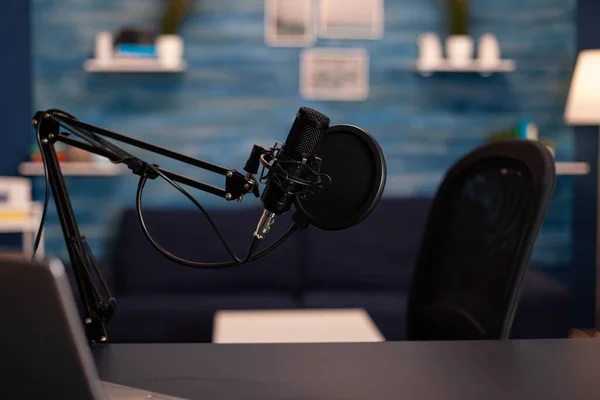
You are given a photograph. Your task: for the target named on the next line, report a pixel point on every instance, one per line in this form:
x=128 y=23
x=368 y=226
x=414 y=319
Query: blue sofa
x=368 y=266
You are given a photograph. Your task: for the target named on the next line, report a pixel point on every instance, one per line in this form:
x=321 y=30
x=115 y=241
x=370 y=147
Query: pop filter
x=354 y=161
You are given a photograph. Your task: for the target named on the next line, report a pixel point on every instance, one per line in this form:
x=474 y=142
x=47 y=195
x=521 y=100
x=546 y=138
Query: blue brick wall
x=237 y=91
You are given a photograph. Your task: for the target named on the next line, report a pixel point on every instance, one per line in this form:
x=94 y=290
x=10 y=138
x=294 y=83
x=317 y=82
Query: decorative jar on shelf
x=78 y=155
x=430 y=50
x=170 y=50
x=459 y=49
x=489 y=51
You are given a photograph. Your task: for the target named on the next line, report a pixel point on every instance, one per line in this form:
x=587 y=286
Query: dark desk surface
x=515 y=370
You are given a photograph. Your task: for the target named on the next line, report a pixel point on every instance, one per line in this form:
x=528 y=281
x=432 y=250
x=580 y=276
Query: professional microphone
x=295 y=169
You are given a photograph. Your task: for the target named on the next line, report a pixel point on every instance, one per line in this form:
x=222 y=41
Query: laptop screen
x=40 y=323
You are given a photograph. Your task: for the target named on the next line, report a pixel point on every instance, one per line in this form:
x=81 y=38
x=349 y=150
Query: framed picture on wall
x=334 y=74
x=290 y=23
x=351 y=19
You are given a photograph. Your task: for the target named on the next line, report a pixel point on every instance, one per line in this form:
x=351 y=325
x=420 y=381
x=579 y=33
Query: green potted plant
x=459 y=45
x=169 y=44
x=526 y=130
x=175 y=13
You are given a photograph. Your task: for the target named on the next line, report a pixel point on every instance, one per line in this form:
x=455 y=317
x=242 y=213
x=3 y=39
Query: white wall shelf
x=131 y=65
x=73 y=169
x=443 y=65
x=461 y=53
x=572 y=168
x=168 y=56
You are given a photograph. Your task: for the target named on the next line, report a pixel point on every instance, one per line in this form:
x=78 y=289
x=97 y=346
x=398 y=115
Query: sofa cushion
x=184 y=318
x=379 y=253
x=139 y=268
x=543 y=311
x=387 y=309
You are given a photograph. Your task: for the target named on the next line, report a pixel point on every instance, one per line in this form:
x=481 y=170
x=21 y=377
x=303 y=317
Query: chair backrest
x=478 y=241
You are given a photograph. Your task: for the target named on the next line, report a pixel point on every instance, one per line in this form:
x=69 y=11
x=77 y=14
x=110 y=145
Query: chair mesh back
x=478 y=241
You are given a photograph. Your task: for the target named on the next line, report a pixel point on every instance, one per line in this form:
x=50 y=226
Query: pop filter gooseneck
x=354 y=161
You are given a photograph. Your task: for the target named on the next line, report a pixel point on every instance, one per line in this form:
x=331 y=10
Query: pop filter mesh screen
x=353 y=164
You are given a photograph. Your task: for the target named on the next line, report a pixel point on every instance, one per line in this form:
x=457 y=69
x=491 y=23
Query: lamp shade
x=583 y=103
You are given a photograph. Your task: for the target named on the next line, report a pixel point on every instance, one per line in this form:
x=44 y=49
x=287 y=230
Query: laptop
x=43 y=350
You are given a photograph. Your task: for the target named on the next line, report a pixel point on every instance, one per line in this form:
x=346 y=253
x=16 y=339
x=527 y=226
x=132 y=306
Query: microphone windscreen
x=306 y=133
x=354 y=161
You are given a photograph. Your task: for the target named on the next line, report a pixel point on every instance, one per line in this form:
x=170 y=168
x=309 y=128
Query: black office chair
x=478 y=241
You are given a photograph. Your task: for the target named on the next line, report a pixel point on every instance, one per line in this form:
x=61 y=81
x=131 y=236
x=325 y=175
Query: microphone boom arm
x=98 y=303
x=236 y=184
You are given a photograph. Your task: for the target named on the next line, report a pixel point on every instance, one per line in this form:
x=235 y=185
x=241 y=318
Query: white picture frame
x=351 y=19
x=290 y=23
x=334 y=74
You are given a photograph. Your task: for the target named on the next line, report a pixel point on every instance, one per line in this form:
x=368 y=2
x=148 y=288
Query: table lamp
x=583 y=108
x=583 y=103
